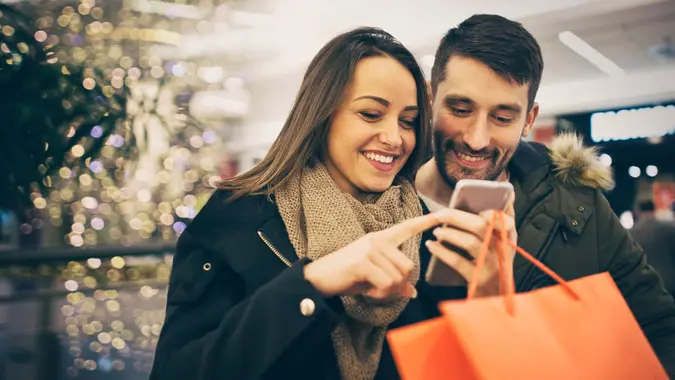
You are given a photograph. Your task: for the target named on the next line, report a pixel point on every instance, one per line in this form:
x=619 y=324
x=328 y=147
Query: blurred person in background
x=657 y=238
x=483 y=83
x=297 y=268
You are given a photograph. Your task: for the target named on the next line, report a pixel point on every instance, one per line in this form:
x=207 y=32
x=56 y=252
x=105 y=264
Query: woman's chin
x=376 y=185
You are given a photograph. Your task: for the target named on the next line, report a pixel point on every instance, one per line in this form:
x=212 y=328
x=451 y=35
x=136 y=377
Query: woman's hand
x=372 y=265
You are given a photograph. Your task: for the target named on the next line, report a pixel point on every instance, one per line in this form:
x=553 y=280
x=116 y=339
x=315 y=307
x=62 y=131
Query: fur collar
x=578 y=165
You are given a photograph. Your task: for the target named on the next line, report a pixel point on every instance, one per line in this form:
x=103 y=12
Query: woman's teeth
x=379 y=158
x=470 y=158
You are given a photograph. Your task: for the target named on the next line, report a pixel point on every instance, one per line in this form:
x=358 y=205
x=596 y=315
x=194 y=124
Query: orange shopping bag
x=581 y=329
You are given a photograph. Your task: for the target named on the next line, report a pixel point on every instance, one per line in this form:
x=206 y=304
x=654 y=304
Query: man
x=657 y=238
x=483 y=83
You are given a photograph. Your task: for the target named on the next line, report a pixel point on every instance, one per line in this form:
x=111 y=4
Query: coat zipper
x=541 y=254
x=272 y=248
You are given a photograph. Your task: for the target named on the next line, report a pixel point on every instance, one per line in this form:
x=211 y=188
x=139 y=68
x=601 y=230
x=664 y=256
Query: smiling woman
x=372 y=133
x=364 y=83
x=315 y=252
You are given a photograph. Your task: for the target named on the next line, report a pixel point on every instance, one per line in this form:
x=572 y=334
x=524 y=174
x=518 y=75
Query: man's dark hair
x=501 y=44
x=646 y=206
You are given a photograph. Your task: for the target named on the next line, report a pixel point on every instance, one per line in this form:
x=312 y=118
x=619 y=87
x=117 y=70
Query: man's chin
x=453 y=175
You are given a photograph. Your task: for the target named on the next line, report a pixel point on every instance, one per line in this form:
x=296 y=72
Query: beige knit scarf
x=321 y=219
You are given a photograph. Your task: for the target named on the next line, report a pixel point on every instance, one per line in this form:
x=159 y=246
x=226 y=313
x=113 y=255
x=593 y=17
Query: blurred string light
x=103 y=201
x=110 y=330
x=652 y=171
x=606 y=159
x=634 y=171
x=627 y=220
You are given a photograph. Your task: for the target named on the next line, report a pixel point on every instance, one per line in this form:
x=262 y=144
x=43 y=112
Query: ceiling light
x=588 y=52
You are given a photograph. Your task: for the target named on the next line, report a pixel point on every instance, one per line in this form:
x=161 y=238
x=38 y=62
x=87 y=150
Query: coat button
x=581 y=208
x=207 y=267
x=307 y=307
x=574 y=223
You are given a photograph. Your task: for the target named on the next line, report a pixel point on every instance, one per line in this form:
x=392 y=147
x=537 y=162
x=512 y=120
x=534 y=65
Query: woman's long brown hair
x=322 y=91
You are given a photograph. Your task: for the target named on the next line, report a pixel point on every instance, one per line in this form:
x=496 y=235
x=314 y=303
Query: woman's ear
x=429 y=93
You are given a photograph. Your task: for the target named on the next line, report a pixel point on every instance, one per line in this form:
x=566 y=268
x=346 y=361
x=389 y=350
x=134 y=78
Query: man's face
x=479 y=119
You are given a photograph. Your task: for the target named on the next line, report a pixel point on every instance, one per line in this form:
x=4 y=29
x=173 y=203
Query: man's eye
x=461 y=112
x=503 y=120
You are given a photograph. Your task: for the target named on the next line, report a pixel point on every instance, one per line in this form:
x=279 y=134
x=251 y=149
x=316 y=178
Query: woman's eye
x=369 y=116
x=409 y=123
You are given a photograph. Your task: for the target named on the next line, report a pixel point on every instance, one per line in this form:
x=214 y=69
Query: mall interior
x=202 y=89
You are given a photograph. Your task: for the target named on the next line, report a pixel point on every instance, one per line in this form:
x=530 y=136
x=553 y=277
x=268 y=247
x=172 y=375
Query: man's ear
x=530 y=119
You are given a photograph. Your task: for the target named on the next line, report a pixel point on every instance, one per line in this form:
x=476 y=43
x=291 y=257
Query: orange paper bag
x=582 y=329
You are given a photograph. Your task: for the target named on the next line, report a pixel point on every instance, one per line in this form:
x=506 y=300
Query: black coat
x=234 y=302
x=236 y=288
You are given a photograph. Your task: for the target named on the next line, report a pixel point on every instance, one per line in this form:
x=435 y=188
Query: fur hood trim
x=578 y=165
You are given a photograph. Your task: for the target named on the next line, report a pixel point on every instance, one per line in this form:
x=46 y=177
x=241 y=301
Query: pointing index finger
x=403 y=231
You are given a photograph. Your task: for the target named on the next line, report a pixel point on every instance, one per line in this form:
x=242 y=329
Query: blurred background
x=118 y=116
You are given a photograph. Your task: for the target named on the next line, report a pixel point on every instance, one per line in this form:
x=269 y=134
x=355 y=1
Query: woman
x=297 y=268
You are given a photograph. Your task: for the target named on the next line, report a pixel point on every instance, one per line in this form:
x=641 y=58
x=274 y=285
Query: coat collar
x=532 y=174
x=232 y=230
x=529 y=168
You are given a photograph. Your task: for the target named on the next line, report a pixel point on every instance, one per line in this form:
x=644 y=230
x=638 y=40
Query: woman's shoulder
x=222 y=211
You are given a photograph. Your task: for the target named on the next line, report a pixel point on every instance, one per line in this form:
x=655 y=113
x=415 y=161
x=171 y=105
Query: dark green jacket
x=564 y=219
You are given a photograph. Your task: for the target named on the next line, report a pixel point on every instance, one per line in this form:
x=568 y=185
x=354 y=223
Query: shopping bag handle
x=507 y=282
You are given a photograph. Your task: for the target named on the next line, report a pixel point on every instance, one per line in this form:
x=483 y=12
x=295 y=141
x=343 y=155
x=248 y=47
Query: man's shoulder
x=576 y=165
x=566 y=166
x=566 y=162
x=573 y=173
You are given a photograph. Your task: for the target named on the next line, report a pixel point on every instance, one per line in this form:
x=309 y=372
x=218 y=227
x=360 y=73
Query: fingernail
x=414 y=293
x=436 y=231
x=427 y=243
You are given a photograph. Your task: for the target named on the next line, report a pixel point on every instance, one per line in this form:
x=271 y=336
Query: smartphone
x=474 y=196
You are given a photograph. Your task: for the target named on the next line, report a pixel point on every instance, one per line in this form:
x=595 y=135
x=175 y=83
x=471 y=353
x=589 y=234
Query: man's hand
x=467 y=232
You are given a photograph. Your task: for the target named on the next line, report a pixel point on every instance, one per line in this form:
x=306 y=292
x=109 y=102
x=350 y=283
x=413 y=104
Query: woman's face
x=372 y=134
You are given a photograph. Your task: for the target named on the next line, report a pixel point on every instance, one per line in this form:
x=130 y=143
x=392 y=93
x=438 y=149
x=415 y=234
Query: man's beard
x=452 y=172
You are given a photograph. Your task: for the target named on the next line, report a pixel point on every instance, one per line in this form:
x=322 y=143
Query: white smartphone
x=474 y=196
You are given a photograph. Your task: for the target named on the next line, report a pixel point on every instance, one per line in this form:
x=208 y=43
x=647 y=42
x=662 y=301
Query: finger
x=403 y=231
x=408 y=290
x=508 y=224
x=402 y=262
x=399 y=267
x=453 y=259
x=460 y=239
x=378 y=277
x=465 y=221
x=383 y=262
x=453 y=217
x=510 y=207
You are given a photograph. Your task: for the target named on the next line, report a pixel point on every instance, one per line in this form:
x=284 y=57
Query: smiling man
x=484 y=83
